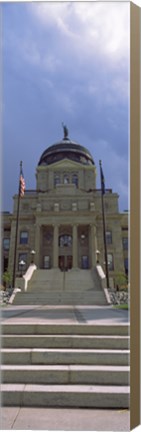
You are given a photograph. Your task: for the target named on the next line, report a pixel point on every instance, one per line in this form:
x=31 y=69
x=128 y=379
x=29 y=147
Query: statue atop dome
x=66 y=132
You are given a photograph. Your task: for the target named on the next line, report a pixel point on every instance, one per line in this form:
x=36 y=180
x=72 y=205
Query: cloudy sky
x=65 y=62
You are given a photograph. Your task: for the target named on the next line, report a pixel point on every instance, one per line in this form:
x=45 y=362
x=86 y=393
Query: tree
x=121 y=281
x=7 y=278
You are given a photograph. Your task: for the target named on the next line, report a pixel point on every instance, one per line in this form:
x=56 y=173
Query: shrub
x=6 y=278
x=121 y=281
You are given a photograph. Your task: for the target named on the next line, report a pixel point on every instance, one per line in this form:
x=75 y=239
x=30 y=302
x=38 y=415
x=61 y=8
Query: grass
x=121 y=306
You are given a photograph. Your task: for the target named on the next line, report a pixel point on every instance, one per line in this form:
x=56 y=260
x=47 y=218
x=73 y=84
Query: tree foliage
x=121 y=281
x=7 y=278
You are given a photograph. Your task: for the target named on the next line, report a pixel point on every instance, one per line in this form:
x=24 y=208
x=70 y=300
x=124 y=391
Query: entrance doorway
x=65 y=262
x=84 y=262
x=46 y=262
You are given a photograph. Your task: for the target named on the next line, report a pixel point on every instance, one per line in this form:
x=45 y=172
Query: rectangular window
x=108 y=237
x=22 y=261
x=23 y=237
x=75 y=179
x=56 y=179
x=6 y=243
x=110 y=261
x=125 y=243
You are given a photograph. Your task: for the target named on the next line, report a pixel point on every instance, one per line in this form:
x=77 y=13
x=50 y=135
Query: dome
x=66 y=148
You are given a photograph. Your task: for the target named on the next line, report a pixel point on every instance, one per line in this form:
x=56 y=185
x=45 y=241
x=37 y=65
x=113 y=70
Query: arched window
x=75 y=179
x=65 y=240
x=66 y=179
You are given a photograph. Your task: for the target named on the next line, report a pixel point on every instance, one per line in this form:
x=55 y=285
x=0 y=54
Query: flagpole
x=16 y=234
x=104 y=225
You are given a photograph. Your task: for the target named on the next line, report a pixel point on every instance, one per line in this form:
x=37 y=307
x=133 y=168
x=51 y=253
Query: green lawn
x=121 y=306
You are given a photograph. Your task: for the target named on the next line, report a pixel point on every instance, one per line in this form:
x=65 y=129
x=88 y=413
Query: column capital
x=92 y=224
x=37 y=225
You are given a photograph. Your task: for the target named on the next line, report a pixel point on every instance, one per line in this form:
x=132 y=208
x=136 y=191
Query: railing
x=99 y=190
x=102 y=276
x=27 y=276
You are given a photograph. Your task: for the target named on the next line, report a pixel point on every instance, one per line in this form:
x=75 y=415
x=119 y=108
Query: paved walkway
x=64 y=314
x=65 y=419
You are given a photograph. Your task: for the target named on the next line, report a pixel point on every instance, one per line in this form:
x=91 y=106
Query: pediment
x=65 y=164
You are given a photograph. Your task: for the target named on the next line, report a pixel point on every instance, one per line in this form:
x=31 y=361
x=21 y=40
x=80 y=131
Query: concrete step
x=65 y=341
x=45 y=287
x=65 y=374
x=53 y=274
x=50 y=287
x=60 y=297
x=67 y=329
x=91 y=396
x=63 y=365
x=56 y=287
x=55 y=279
x=63 y=356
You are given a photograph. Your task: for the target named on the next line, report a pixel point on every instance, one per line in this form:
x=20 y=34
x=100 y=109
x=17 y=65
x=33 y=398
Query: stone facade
x=62 y=220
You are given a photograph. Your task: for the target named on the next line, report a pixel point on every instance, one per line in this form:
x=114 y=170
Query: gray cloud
x=67 y=62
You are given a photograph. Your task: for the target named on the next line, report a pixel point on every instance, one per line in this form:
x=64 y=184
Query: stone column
x=75 y=247
x=55 y=246
x=93 y=244
x=37 y=245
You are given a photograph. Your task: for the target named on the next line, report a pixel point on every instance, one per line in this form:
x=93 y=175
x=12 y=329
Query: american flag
x=22 y=184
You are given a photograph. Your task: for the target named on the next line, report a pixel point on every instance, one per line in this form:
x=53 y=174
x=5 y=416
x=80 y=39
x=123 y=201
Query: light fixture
x=32 y=256
x=97 y=256
x=83 y=236
x=22 y=264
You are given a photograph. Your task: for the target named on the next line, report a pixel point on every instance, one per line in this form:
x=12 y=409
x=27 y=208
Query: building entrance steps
x=88 y=396
x=52 y=297
x=74 y=278
x=66 y=374
x=65 y=357
x=56 y=287
x=65 y=341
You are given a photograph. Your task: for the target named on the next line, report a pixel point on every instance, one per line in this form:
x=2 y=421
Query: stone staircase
x=55 y=287
x=65 y=365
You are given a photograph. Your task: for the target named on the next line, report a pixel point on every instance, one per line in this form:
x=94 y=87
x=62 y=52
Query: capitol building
x=61 y=220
